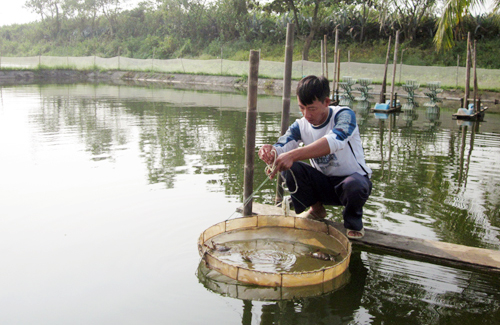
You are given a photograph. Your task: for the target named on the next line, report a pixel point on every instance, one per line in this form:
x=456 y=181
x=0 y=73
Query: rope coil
x=268 y=170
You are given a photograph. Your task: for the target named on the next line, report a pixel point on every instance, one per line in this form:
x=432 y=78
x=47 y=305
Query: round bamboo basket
x=304 y=231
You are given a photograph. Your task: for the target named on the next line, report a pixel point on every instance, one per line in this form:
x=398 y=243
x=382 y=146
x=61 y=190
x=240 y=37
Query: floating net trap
x=275 y=251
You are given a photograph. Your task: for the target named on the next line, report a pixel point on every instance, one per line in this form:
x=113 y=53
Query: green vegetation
x=197 y=29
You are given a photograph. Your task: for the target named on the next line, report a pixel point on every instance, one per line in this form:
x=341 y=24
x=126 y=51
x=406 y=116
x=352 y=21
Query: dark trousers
x=313 y=186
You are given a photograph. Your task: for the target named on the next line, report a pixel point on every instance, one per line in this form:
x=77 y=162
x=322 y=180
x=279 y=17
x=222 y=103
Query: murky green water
x=104 y=191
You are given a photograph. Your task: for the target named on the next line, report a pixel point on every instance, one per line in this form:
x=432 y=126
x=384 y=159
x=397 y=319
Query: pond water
x=104 y=190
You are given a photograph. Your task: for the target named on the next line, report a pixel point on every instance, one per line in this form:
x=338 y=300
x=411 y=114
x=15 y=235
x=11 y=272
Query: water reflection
x=195 y=140
x=390 y=119
x=381 y=289
x=421 y=293
x=422 y=176
x=462 y=175
x=96 y=122
x=225 y=286
x=329 y=303
x=432 y=179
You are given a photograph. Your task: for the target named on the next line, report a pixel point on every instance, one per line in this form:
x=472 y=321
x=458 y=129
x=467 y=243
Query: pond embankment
x=266 y=86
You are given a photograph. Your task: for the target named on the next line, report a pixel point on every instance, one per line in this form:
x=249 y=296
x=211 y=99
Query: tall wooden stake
x=467 y=72
x=338 y=73
x=326 y=56
x=287 y=85
x=393 y=104
x=322 y=58
x=476 y=108
x=384 y=81
x=253 y=79
x=334 y=86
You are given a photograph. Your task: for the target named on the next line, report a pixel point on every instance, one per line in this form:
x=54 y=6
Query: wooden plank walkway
x=458 y=255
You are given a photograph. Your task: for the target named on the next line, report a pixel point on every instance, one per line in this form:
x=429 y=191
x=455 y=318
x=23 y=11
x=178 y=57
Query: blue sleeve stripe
x=345 y=123
x=340 y=134
x=292 y=134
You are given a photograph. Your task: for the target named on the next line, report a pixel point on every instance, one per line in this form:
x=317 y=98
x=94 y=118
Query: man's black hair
x=311 y=88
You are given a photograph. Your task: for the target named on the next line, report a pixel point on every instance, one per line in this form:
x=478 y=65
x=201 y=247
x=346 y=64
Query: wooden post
x=287 y=86
x=393 y=104
x=322 y=58
x=326 y=56
x=349 y=62
x=476 y=108
x=253 y=79
x=384 y=81
x=458 y=65
x=302 y=62
x=338 y=74
x=183 y=69
x=401 y=64
x=334 y=86
x=467 y=73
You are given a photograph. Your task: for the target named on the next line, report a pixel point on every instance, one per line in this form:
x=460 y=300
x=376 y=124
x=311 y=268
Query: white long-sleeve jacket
x=340 y=129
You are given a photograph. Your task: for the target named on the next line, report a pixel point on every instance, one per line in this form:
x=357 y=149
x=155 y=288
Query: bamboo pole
x=338 y=74
x=349 y=62
x=253 y=78
x=322 y=58
x=384 y=81
x=476 y=108
x=326 y=56
x=396 y=43
x=335 y=61
x=401 y=64
x=153 y=61
x=287 y=86
x=119 y=54
x=467 y=73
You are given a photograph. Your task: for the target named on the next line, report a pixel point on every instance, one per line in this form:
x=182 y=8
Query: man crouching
x=338 y=174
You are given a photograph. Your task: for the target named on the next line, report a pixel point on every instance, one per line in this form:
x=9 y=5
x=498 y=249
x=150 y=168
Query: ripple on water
x=274 y=256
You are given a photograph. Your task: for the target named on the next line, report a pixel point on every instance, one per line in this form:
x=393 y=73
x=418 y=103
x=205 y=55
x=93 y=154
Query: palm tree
x=448 y=25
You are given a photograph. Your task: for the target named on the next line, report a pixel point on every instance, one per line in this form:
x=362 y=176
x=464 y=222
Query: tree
x=110 y=10
x=48 y=10
x=232 y=19
x=307 y=17
x=449 y=25
x=410 y=14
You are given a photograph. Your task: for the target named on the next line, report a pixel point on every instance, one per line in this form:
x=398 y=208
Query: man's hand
x=283 y=162
x=268 y=154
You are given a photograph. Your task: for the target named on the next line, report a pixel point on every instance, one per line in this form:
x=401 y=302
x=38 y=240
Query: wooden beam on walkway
x=457 y=255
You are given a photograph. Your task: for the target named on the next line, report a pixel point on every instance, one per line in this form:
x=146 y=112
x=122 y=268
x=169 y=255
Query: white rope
x=250 y=197
x=269 y=169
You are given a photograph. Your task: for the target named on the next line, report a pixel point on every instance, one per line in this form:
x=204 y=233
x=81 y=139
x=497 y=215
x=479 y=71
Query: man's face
x=315 y=113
